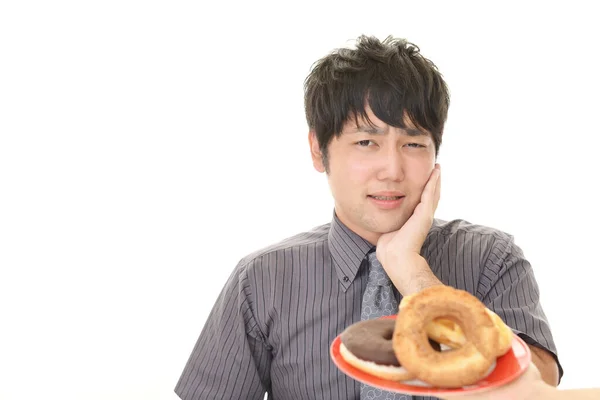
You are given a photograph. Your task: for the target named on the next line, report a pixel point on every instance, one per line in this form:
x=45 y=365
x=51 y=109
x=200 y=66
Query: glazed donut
x=367 y=345
x=505 y=334
x=464 y=365
x=448 y=333
x=442 y=330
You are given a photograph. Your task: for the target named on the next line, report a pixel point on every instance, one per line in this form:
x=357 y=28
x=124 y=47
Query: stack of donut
x=406 y=349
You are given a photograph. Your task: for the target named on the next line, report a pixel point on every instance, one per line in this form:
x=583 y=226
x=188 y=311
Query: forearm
x=543 y=391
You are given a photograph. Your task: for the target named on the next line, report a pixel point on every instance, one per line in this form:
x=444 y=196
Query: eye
x=415 y=145
x=364 y=143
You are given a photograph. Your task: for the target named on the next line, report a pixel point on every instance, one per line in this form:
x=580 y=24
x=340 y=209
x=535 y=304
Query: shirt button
x=346 y=279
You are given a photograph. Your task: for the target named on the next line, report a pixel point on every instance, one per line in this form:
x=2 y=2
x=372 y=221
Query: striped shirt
x=274 y=321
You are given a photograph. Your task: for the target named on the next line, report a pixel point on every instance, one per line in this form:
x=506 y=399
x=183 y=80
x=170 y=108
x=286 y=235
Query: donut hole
x=435 y=346
x=448 y=331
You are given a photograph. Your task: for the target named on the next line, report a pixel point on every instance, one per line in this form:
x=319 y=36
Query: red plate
x=508 y=368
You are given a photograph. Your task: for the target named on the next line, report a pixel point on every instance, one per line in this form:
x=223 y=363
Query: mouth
x=386 y=198
x=386 y=201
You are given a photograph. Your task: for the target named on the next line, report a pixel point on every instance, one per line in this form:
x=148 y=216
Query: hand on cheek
x=399 y=252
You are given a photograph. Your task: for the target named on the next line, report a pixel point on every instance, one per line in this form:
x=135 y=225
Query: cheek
x=418 y=175
x=359 y=172
x=351 y=171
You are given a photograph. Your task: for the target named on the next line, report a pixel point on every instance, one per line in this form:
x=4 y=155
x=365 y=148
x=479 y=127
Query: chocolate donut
x=371 y=340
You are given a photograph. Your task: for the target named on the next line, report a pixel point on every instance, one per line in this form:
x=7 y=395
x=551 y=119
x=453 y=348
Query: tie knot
x=377 y=274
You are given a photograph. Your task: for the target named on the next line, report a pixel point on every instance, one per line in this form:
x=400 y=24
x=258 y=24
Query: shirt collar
x=347 y=251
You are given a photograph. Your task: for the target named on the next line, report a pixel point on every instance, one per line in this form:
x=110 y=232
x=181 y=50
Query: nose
x=391 y=165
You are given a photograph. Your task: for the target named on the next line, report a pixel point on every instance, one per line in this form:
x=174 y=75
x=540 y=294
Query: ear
x=315 y=152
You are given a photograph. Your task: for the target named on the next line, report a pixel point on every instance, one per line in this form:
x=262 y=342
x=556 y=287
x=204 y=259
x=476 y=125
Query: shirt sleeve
x=230 y=359
x=509 y=288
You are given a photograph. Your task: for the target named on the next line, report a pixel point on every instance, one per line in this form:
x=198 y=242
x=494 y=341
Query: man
x=376 y=116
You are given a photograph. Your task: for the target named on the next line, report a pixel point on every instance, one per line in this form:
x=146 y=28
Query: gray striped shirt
x=274 y=321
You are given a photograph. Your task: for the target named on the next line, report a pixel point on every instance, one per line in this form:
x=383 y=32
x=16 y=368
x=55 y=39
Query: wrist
x=419 y=277
x=422 y=280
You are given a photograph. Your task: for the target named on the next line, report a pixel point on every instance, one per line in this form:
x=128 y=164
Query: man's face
x=376 y=174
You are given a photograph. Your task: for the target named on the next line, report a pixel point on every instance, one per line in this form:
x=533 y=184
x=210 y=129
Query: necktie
x=378 y=301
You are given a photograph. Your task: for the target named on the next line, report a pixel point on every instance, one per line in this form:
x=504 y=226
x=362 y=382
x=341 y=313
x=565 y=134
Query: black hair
x=390 y=76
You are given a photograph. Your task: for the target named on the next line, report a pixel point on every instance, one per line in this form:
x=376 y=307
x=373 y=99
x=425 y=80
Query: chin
x=386 y=226
x=390 y=228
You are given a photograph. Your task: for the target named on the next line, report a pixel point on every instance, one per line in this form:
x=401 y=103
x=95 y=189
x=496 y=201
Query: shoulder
x=459 y=237
x=460 y=226
x=268 y=266
x=315 y=238
x=455 y=226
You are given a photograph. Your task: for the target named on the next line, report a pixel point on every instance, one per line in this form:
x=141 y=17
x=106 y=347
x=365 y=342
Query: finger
x=438 y=189
x=428 y=195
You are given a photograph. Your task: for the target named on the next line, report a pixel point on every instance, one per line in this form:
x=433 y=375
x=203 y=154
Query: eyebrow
x=375 y=130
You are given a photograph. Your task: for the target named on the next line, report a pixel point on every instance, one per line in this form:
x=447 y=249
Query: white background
x=147 y=146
